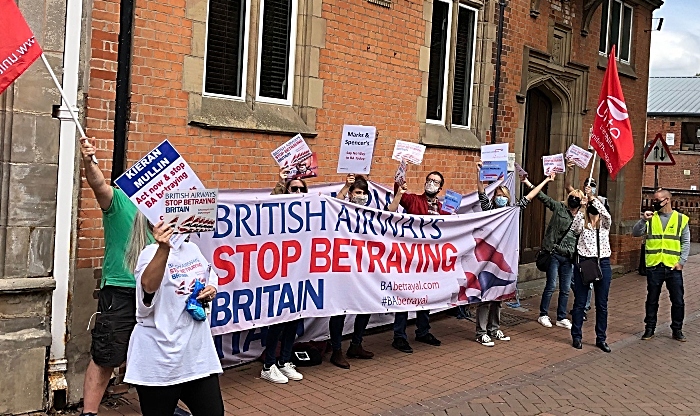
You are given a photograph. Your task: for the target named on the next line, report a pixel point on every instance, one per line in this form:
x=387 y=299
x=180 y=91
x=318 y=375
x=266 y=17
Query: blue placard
x=452 y=201
x=491 y=171
x=138 y=176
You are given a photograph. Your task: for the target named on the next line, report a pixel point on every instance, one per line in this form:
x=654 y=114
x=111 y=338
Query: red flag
x=612 y=132
x=18 y=48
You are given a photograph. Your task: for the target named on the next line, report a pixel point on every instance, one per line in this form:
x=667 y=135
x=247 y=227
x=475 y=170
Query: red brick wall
x=672 y=176
x=379 y=86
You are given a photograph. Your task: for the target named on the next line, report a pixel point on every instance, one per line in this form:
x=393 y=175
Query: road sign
x=658 y=154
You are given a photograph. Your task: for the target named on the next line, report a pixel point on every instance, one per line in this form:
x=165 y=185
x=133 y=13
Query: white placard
x=670 y=138
x=554 y=164
x=191 y=211
x=412 y=152
x=579 y=156
x=294 y=151
x=356 y=149
x=511 y=162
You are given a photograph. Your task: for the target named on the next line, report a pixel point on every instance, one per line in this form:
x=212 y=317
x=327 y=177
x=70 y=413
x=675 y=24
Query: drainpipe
x=64 y=206
x=497 y=84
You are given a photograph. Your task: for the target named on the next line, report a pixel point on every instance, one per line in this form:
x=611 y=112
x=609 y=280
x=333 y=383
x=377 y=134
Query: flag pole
x=65 y=100
x=590 y=134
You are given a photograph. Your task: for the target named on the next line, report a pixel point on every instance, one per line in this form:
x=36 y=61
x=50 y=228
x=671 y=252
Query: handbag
x=590 y=268
x=544 y=257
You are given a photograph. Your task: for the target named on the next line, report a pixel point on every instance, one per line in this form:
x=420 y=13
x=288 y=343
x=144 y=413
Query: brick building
x=227 y=81
x=673 y=111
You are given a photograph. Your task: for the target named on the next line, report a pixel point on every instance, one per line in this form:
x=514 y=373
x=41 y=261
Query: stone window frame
x=625 y=68
x=444 y=134
x=250 y=113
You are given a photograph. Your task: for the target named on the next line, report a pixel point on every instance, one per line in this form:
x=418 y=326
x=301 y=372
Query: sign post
x=658 y=154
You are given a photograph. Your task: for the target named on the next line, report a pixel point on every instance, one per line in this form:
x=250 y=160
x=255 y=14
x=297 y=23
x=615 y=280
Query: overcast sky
x=675 y=50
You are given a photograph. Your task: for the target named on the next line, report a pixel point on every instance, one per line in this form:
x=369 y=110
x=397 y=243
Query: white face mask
x=593 y=189
x=431 y=188
x=360 y=199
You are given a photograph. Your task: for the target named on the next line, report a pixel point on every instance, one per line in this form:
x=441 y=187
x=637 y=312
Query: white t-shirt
x=168 y=346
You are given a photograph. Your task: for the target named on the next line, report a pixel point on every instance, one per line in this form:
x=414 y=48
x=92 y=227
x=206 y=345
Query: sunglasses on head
x=296 y=189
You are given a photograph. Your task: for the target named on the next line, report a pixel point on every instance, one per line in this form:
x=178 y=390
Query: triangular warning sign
x=658 y=153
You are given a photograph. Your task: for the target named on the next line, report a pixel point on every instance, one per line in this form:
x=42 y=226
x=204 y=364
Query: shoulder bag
x=590 y=268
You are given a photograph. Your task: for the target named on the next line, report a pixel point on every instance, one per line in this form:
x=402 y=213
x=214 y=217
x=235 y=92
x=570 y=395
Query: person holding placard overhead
x=557 y=254
x=426 y=203
x=280 y=370
x=488 y=314
x=116 y=303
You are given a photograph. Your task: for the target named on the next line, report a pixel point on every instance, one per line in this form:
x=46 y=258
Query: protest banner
x=400 y=176
x=452 y=201
x=191 y=211
x=494 y=159
x=412 y=152
x=579 y=156
x=356 y=149
x=305 y=169
x=291 y=153
x=161 y=170
x=554 y=164
x=284 y=257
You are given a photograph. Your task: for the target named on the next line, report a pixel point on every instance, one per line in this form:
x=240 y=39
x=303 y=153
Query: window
x=464 y=66
x=690 y=136
x=276 y=52
x=437 y=73
x=225 y=55
x=616 y=29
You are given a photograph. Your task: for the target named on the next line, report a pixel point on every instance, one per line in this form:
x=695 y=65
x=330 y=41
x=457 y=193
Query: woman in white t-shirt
x=171 y=355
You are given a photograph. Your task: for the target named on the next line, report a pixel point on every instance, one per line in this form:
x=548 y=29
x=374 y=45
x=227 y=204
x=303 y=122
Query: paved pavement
x=537 y=373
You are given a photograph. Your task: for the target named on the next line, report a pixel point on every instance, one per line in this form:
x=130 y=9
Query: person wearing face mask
x=560 y=241
x=667 y=248
x=488 y=314
x=426 y=203
x=593 y=227
x=280 y=370
x=356 y=190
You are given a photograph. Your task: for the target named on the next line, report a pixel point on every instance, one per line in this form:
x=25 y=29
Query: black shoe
x=402 y=345
x=429 y=339
x=648 y=334
x=585 y=318
x=603 y=346
x=678 y=335
x=577 y=344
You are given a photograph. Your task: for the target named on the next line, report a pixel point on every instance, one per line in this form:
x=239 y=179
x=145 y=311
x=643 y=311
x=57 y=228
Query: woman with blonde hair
x=171 y=353
x=593 y=246
x=559 y=243
x=488 y=314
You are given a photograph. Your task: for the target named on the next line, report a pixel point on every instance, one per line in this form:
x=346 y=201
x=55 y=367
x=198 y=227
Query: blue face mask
x=500 y=201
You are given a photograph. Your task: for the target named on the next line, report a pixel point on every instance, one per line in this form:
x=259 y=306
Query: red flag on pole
x=18 y=48
x=612 y=132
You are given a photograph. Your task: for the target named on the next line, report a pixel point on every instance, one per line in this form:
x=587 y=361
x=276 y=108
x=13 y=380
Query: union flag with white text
x=612 y=132
x=18 y=47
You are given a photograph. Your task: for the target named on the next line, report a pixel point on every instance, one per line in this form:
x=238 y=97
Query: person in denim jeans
x=593 y=243
x=560 y=241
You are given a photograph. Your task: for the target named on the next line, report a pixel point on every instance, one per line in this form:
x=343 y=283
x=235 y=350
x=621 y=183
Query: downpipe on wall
x=497 y=82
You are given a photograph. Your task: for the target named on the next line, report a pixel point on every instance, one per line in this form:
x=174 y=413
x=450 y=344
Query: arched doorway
x=538 y=129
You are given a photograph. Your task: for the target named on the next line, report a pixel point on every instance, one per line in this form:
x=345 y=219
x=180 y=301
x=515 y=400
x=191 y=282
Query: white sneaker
x=500 y=336
x=564 y=323
x=290 y=371
x=544 y=321
x=485 y=340
x=273 y=375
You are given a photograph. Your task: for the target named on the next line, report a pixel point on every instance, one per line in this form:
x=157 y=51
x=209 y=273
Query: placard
x=494 y=158
x=307 y=168
x=511 y=162
x=294 y=151
x=554 y=164
x=191 y=211
x=452 y=201
x=579 y=156
x=400 y=176
x=412 y=152
x=356 y=149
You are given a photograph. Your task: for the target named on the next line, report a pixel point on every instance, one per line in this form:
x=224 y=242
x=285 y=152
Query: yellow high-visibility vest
x=664 y=246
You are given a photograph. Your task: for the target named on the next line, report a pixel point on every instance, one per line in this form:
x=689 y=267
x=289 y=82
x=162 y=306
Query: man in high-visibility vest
x=667 y=248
